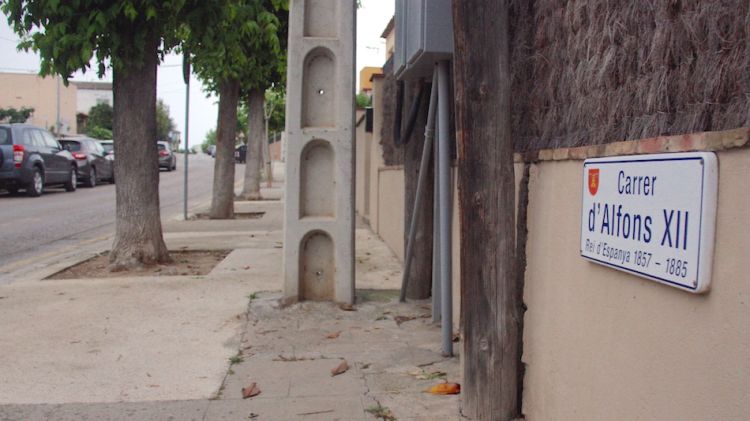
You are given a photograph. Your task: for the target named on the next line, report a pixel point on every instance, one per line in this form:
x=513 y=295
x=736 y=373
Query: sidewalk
x=184 y=347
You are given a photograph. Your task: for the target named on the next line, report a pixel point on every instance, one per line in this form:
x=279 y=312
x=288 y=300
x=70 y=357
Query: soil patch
x=184 y=263
x=237 y=215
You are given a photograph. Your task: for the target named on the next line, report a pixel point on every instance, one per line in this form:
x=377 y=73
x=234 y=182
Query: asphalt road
x=34 y=226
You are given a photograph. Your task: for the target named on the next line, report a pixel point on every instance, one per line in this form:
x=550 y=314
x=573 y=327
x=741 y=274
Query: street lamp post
x=186 y=77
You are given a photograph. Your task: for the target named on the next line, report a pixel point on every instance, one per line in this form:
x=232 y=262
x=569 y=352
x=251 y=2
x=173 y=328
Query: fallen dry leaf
x=340 y=369
x=246 y=267
x=347 y=307
x=250 y=391
x=333 y=335
x=445 y=389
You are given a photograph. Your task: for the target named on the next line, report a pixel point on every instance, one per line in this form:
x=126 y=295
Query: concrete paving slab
x=376 y=265
x=26 y=412
x=194 y=410
x=263 y=265
x=417 y=405
x=292 y=408
x=138 y=339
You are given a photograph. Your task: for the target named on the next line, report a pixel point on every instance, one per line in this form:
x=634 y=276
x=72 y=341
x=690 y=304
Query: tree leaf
x=250 y=391
x=445 y=389
x=340 y=369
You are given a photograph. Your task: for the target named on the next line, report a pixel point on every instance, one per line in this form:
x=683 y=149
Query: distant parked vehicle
x=109 y=146
x=166 y=156
x=212 y=150
x=31 y=159
x=93 y=165
x=240 y=154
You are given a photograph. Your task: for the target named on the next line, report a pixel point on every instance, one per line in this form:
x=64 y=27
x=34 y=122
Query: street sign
x=652 y=216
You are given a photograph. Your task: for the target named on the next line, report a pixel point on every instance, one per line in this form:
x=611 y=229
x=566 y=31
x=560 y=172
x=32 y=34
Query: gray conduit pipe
x=428 y=135
x=436 y=236
x=446 y=210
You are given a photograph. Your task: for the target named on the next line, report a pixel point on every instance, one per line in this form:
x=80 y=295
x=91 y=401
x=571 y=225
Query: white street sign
x=652 y=215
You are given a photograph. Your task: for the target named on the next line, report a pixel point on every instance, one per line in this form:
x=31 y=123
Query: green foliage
x=98 y=132
x=363 y=100
x=16 y=116
x=248 y=44
x=209 y=140
x=276 y=108
x=164 y=122
x=100 y=115
x=68 y=35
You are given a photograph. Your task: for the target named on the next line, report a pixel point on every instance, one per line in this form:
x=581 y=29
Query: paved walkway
x=183 y=348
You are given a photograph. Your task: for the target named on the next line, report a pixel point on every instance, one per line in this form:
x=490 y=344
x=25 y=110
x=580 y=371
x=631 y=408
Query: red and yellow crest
x=593 y=180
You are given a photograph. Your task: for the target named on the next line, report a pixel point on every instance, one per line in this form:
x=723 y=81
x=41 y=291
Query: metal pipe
x=436 y=235
x=403 y=139
x=446 y=210
x=428 y=135
x=186 y=76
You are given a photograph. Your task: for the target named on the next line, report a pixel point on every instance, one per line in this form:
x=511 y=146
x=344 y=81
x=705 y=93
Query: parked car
x=109 y=146
x=31 y=159
x=212 y=150
x=93 y=165
x=166 y=156
x=240 y=154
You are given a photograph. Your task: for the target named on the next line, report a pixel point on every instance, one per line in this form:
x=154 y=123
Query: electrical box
x=424 y=36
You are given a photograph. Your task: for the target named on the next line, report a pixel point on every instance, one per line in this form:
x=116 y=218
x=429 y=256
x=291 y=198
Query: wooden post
x=491 y=296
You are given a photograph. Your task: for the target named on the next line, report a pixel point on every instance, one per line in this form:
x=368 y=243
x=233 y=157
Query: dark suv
x=93 y=162
x=31 y=158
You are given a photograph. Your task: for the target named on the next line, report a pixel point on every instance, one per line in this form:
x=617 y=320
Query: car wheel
x=72 y=180
x=36 y=186
x=91 y=181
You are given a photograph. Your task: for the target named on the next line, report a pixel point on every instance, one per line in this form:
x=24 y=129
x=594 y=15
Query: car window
x=37 y=139
x=26 y=138
x=49 y=140
x=5 y=136
x=161 y=147
x=108 y=147
x=71 y=145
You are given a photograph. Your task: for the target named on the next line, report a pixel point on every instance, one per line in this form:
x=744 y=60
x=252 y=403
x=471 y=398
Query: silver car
x=166 y=156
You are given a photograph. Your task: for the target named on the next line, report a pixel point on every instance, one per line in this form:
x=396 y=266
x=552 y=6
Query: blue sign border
x=700 y=220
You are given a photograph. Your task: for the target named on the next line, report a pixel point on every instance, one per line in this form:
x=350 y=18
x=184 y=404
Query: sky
x=372 y=18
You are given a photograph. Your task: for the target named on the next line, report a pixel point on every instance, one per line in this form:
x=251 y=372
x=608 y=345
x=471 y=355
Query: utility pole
x=186 y=77
x=57 y=119
x=491 y=293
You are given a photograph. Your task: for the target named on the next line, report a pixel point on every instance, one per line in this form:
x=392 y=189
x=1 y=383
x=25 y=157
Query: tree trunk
x=254 y=160
x=138 y=236
x=420 y=276
x=491 y=296
x=222 y=201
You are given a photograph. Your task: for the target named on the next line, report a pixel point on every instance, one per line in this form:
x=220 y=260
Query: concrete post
x=319 y=194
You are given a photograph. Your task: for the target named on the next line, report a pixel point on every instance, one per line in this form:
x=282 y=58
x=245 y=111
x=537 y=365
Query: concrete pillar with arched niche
x=319 y=194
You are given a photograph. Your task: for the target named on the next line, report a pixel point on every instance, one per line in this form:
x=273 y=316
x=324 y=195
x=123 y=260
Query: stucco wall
x=89 y=98
x=604 y=345
x=391 y=209
x=26 y=90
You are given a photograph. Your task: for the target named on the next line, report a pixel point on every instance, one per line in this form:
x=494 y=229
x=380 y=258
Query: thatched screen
x=598 y=71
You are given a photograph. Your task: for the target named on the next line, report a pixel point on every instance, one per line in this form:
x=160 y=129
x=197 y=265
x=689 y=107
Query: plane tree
x=130 y=37
x=234 y=58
